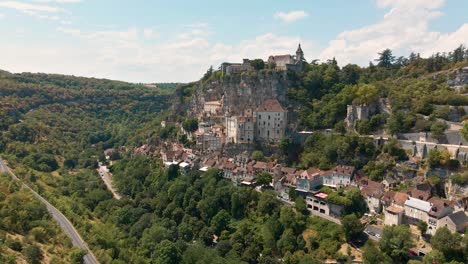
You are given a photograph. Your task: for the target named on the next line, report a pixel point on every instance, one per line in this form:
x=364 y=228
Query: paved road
x=104 y=173
x=64 y=223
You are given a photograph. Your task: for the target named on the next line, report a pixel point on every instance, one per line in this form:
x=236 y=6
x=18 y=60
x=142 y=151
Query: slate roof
x=418 y=204
x=459 y=218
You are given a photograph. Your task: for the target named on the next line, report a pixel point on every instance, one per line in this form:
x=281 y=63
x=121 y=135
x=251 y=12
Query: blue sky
x=161 y=41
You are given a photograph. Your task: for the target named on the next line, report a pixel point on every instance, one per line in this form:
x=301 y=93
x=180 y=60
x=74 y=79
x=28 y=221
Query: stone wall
x=358 y=112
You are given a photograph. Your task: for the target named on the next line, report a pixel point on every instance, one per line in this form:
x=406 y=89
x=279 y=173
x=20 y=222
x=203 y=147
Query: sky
x=178 y=40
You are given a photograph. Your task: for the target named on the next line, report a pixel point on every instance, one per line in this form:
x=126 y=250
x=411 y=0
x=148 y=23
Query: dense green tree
x=263 y=178
x=450 y=245
x=76 y=255
x=435 y=256
x=395 y=242
x=464 y=131
x=167 y=253
x=434 y=157
x=257 y=64
x=190 y=124
x=268 y=204
x=385 y=59
x=352 y=226
x=33 y=254
x=438 y=129
x=373 y=255
x=220 y=221
x=394 y=149
x=287 y=242
x=422 y=226
x=258 y=155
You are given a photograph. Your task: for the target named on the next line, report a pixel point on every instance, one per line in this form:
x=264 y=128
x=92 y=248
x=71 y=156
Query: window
x=269 y=117
x=259 y=116
x=277 y=132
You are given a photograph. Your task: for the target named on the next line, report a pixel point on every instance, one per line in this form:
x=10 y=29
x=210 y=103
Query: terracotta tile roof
x=371 y=188
x=326 y=173
x=400 y=198
x=281 y=57
x=288 y=170
x=260 y=165
x=388 y=196
x=264 y=165
x=271 y=105
x=210 y=162
x=422 y=195
x=291 y=178
x=229 y=165
x=394 y=209
x=344 y=170
x=310 y=173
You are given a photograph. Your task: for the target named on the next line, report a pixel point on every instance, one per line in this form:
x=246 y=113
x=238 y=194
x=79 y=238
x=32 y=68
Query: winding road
x=64 y=223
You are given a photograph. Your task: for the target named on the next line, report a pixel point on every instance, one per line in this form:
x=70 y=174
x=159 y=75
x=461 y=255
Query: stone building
x=236 y=68
x=239 y=129
x=416 y=210
x=456 y=222
x=281 y=62
x=356 y=113
x=340 y=176
x=288 y=62
x=270 y=121
x=212 y=108
x=209 y=142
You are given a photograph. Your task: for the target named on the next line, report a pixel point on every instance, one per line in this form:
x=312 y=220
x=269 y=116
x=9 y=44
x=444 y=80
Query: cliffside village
x=268 y=123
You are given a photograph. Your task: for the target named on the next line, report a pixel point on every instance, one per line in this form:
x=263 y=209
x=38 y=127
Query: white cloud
x=149 y=33
x=58 y=1
x=28 y=8
x=291 y=16
x=404 y=28
x=196 y=32
x=198 y=25
x=129 y=55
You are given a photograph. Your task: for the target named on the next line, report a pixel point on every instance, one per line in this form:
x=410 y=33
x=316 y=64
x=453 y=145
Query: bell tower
x=299 y=54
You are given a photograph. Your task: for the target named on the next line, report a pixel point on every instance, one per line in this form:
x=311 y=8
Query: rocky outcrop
x=458 y=78
x=241 y=92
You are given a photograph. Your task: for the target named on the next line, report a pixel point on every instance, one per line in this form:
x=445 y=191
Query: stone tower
x=299 y=54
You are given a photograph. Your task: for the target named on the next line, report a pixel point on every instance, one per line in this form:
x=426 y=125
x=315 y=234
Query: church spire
x=299 y=53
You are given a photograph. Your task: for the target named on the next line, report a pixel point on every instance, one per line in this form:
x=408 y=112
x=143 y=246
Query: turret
x=299 y=53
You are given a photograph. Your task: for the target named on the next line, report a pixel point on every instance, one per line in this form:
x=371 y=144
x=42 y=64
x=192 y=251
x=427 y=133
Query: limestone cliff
x=458 y=78
x=241 y=92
